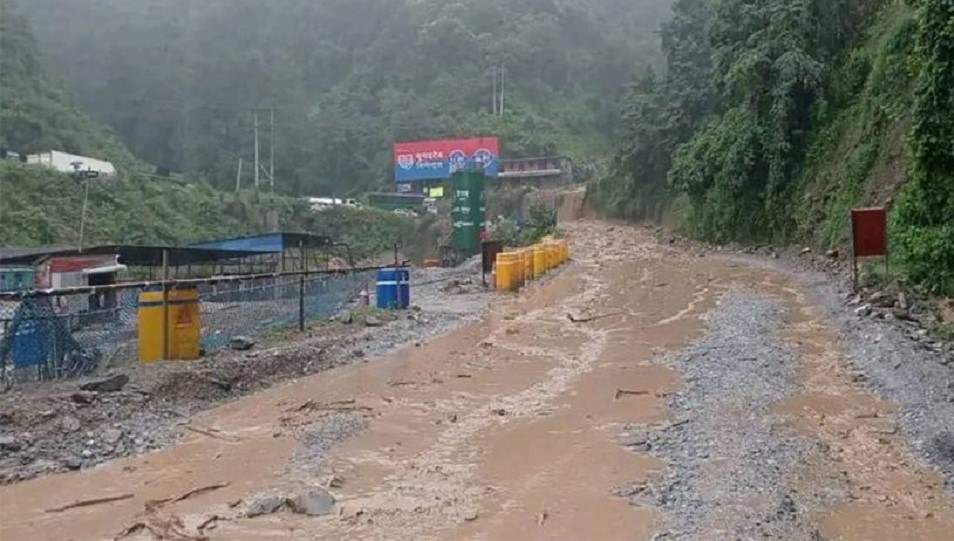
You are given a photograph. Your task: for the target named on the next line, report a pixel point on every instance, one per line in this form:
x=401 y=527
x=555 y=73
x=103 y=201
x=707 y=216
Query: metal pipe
x=165 y=305
x=15 y=296
x=301 y=287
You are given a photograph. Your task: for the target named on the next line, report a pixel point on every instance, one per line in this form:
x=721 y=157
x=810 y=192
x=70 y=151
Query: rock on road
x=642 y=392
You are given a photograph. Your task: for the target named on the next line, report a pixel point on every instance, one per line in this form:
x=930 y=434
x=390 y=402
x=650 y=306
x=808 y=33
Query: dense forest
x=753 y=121
x=177 y=80
x=772 y=118
x=39 y=206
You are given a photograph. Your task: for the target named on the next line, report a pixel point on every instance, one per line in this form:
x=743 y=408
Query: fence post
x=301 y=286
x=165 y=304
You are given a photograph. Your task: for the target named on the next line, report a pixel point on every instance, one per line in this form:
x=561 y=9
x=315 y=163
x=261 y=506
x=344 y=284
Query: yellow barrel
x=517 y=259
x=527 y=254
x=564 y=251
x=553 y=256
x=184 y=325
x=509 y=271
x=539 y=261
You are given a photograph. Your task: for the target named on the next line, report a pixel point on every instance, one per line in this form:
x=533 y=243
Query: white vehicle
x=319 y=204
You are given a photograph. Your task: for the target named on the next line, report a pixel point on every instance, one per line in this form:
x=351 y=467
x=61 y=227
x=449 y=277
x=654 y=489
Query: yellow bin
x=184 y=321
x=517 y=259
x=539 y=260
x=527 y=254
x=507 y=268
x=553 y=256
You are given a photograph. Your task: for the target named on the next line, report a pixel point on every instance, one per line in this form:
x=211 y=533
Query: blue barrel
x=394 y=289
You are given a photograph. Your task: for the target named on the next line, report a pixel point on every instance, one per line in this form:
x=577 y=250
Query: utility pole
x=255 y=117
x=271 y=157
x=82 y=230
x=493 y=75
x=238 y=177
x=503 y=78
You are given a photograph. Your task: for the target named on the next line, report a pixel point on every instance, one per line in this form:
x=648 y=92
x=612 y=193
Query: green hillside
x=39 y=206
x=178 y=80
x=774 y=118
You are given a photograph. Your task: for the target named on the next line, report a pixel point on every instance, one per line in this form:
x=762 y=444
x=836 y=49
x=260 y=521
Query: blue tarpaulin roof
x=271 y=242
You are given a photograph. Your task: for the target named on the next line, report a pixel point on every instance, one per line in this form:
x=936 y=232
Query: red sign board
x=869 y=230
x=436 y=160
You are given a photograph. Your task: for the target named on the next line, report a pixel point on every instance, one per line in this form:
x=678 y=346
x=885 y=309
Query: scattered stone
x=943 y=446
x=345 y=317
x=903 y=301
x=470 y=517
x=241 y=343
x=806 y=250
x=313 y=503
x=903 y=314
x=880 y=299
x=336 y=482
x=833 y=254
x=863 y=311
x=9 y=444
x=265 y=505
x=110 y=385
x=372 y=321
x=83 y=397
x=112 y=436
x=72 y=463
x=87 y=453
x=70 y=423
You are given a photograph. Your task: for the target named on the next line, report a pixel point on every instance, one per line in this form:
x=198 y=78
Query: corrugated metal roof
x=137 y=256
x=270 y=242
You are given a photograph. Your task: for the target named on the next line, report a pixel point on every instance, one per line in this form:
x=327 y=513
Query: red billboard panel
x=437 y=160
x=869 y=231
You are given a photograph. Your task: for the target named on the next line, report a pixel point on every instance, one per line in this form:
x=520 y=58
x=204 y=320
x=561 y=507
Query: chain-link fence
x=46 y=335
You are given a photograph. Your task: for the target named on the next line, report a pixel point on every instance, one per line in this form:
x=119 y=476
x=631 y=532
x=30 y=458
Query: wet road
x=522 y=426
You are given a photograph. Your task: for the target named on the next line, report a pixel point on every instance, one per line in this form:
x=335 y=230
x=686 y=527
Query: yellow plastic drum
x=184 y=324
x=527 y=255
x=509 y=271
x=539 y=261
x=553 y=256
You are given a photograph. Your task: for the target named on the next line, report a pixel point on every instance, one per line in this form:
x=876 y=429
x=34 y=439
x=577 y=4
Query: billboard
x=438 y=160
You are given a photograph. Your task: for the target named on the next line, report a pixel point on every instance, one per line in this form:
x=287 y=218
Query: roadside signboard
x=437 y=160
x=869 y=235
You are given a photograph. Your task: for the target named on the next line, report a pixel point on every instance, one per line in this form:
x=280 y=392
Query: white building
x=71 y=163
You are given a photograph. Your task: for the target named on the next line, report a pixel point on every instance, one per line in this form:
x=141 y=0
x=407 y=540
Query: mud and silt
x=641 y=391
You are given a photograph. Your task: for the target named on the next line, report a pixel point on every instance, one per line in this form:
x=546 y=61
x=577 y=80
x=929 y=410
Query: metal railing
x=63 y=333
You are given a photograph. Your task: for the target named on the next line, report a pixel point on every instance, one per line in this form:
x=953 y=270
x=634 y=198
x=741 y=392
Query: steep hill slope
x=40 y=206
x=177 y=80
x=776 y=117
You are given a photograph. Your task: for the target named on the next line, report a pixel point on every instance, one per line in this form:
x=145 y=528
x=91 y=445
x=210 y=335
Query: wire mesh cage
x=49 y=335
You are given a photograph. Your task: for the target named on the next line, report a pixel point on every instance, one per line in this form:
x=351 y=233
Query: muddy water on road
x=505 y=429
